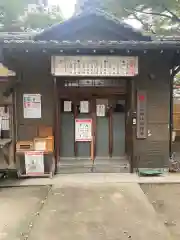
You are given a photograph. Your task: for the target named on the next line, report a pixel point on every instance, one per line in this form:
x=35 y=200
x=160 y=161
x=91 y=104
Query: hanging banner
x=32 y=105
x=34 y=163
x=83 y=130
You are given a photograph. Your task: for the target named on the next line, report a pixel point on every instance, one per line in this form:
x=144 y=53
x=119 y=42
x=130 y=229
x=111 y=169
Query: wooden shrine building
x=99 y=90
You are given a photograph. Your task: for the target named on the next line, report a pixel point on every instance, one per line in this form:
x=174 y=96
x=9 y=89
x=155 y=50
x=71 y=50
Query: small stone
x=30 y=225
x=173 y=223
x=166 y=222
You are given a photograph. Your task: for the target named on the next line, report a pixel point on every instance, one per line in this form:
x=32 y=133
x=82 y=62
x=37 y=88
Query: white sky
x=67 y=6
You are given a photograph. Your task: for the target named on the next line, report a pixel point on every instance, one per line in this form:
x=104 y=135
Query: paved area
x=18 y=207
x=107 y=211
x=166 y=201
x=113 y=211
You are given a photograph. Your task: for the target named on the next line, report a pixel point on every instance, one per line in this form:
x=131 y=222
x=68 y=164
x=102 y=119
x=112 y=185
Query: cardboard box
x=45 y=131
x=44 y=144
x=23 y=146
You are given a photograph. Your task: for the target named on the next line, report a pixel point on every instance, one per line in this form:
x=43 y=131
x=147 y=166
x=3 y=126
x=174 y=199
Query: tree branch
x=174 y=16
x=141 y=21
x=176 y=70
x=151 y=13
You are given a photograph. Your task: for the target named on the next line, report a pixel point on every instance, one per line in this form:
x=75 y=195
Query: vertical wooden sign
x=141 y=114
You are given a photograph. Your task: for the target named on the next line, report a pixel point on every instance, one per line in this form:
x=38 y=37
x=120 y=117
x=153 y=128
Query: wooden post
x=110 y=131
x=56 y=124
x=92 y=149
x=94 y=128
x=133 y=132
x=75 y=113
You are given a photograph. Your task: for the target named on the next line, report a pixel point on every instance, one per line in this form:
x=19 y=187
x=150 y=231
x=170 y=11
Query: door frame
x=91 y=94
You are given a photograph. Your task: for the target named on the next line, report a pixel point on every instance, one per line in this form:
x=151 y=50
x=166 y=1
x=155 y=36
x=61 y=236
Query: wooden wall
x=153 y=152
x=40 y=84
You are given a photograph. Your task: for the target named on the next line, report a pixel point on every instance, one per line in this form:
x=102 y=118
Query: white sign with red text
x=34 y=162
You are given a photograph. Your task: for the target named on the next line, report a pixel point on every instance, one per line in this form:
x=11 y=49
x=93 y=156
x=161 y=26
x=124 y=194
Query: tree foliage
x=14 y=16
x=157 y=16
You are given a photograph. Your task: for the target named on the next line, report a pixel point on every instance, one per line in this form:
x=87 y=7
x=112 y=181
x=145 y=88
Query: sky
x=67 y=6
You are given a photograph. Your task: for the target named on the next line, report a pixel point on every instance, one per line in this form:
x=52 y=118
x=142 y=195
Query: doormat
x=150 y=173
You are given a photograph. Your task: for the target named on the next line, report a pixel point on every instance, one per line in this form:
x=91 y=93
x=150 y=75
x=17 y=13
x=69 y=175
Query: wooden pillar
x=56 y=125
x=15 y=117
x=110 y=120
x=14 y=124
x=171 y=115
x=93 y=116
x=133 y=127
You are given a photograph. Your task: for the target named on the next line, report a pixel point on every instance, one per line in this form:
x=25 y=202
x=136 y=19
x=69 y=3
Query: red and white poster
x=32 y=105
x=83 y=130
x=34 y=162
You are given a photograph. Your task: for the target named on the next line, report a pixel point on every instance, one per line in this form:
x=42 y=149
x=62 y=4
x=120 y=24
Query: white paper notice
x=5 y=124
x=0 y=125
x=84 y=107
x=101 y=110
x=32 y=105
x=67 y=106
x=34 y=162
x=5 y=120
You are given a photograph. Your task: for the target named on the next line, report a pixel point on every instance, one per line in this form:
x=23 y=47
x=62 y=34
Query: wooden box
x=44 y=144
x=23 y=146
x=45 y=131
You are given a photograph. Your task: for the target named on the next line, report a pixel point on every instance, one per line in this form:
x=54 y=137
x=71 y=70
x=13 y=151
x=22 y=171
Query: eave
x=30 y=45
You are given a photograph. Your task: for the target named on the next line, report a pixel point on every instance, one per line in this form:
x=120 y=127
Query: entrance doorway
x=93 y=125
x=107 y=119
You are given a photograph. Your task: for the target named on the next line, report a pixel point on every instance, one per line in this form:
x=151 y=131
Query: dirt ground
x=165 y=199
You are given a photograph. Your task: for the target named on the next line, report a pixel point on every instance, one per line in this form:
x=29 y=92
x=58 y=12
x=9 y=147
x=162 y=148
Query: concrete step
x=99 y=166
x=96 y=168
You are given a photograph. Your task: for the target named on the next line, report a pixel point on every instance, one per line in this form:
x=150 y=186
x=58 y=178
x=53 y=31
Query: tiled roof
x=16 y=36
x=166 y=38
x=108 y=16
x=60 y=28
